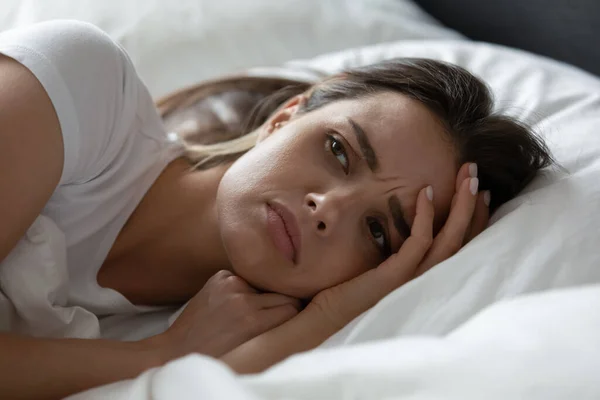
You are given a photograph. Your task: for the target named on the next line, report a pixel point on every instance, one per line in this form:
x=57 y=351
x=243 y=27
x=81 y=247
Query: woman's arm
x=224 y=314
x=32 y=368
x=31 y=161
x=31 y=151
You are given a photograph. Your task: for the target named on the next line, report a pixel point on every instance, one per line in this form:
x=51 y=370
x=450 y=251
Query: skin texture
x=334 y=197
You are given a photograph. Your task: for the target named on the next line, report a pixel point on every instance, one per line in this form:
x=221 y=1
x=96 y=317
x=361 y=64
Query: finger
x=270 y=300
x=400 y=267
x=481 y=216
x=450 y=238
x=467 y=170
x=235 y=284
x=220 y=276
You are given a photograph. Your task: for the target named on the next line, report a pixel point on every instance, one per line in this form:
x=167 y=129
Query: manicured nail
x=429 y=193
x=473 y=185
x=473 y=170
x=487 y=197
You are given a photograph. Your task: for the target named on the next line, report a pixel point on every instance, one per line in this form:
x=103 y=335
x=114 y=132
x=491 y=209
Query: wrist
x=304 y=332
x=328 y=319
x=156 y=350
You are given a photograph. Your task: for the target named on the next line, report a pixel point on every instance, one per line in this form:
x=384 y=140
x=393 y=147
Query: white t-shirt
x=115 y=147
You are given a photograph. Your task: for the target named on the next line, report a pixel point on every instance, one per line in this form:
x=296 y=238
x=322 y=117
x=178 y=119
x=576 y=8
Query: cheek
x=239 y=217
x=272 y=163
x=257 y=176
x=239 y=227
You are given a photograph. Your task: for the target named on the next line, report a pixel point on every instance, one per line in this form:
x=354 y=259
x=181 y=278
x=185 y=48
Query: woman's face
x=325 y=196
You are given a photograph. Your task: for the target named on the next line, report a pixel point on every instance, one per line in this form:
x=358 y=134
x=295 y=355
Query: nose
x=326 y=210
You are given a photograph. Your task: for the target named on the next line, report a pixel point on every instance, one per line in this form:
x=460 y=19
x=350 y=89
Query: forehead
x=410 y=142
x=395 y=119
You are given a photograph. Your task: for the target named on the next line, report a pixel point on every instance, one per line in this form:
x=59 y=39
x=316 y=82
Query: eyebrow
x=365 y=146
x=373 y=163
x=398 y=217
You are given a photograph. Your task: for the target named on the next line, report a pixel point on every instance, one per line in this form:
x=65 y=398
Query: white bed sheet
x=542 y=347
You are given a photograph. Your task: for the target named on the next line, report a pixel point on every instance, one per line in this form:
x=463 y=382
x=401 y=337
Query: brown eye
x=377 y=232
x=339 y=152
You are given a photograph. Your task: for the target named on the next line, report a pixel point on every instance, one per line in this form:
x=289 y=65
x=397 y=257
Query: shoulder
x=91 y=83
x=64 y=37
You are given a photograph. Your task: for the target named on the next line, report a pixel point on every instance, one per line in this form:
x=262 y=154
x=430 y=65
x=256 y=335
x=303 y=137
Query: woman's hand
x=468 y=217
x=224 y=314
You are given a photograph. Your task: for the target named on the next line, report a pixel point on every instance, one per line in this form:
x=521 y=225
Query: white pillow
x=178 y=43
x=545 y=238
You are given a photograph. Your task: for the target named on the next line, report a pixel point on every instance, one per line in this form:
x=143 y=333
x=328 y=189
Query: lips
x=283 y=229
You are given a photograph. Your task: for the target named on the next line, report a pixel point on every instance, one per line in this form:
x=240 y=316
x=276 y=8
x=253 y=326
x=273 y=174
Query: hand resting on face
x=333 y=308
x=420 y=252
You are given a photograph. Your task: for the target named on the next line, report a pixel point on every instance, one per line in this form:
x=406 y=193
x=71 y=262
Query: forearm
x=53 y=368
x=304 y=332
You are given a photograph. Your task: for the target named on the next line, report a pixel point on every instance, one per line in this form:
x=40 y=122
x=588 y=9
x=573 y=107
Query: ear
x=282 y=116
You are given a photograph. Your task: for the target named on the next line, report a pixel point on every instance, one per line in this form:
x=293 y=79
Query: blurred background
x=180 y=42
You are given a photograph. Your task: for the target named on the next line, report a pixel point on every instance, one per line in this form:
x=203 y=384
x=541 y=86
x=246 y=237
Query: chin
x=266 y=275
x=253 y=258
x=265 y=279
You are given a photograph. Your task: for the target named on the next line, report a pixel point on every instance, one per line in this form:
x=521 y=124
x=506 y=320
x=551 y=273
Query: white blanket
x=542 y=347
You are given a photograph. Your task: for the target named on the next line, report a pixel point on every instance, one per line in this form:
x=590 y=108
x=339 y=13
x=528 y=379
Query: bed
x=514 y=313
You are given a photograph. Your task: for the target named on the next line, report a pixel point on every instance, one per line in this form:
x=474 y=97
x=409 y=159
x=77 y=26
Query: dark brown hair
x=507 y=152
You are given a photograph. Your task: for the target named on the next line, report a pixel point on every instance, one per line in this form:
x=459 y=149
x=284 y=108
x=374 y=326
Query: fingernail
x=487 y=197
x=473 y=185
x=429 y=193
x=473 y=170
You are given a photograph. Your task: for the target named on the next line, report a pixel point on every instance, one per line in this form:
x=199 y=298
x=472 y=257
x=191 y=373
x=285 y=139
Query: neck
x=171 y=245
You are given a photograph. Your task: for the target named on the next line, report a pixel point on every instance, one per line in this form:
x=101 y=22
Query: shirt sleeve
x=92 y=84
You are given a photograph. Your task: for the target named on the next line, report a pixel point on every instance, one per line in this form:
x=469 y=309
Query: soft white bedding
x=427 y=340
x=178 y=43
x=540 y=347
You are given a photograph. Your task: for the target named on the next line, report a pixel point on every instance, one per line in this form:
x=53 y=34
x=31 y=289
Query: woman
x=335 y=195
